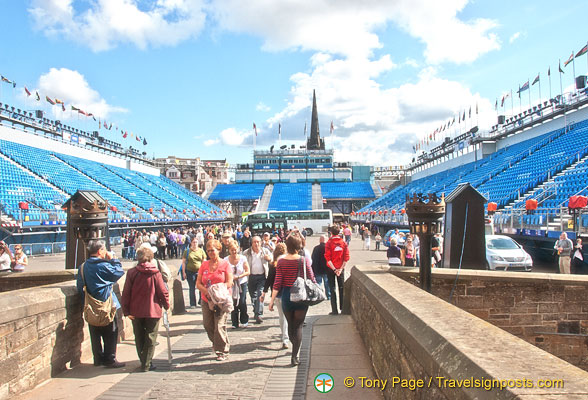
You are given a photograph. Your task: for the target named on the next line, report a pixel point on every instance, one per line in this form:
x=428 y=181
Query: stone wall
x=23 y=280
x=42 y=333
x=547 y=310
x=411 y=334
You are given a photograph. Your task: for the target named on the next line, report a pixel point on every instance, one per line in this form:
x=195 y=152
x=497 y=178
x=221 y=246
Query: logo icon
x=324 y=383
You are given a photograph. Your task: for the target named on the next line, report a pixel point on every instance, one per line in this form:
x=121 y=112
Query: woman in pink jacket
x=143 y=297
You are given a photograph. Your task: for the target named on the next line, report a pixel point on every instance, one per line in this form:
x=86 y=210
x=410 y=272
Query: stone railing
x=547 y=310
x=42 y=332
x=450 y=353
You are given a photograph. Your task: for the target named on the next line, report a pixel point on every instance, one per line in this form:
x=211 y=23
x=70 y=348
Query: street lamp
x=425 y=219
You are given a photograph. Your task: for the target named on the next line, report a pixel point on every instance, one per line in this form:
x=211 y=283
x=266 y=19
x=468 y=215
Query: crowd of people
x=221 y=264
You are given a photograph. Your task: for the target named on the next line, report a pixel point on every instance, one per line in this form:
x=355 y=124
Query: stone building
x=195 y=174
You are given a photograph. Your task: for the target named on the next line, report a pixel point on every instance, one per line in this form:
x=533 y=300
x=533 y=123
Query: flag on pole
x=4 y=79
x=27 y=92
x=144 y=142
x=255 y=128
x=569 y=59
x=583 y=51
x=523 y=88
x=476 y=108
x=535 y=80
x=549 y=71
x=49 y=100
x=305 y=129
x=470 y=112
x=57 y=101
x=560 y=70
x=279 y=128
x=38 y=97
x=63 y=107
x=332 y=127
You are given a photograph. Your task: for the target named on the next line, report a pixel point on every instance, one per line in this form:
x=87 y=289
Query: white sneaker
x=245 y=325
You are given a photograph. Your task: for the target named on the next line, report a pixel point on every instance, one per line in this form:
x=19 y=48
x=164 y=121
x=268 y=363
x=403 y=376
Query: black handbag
x=305 y=291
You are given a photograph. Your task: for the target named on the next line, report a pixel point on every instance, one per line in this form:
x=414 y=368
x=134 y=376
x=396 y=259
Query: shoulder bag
x=305 y=291
x=96 y=312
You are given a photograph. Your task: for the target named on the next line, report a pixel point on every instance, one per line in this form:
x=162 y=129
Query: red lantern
x=577 y=202
x=393 y=212
x=380 y=212
x=184 y=211
x=23 y=205
x=175 y=211
x=492 y=206
x=163 y=210
x=113 y=209
x=134 y=209
x=531 y=204
x=403 y=211
x=150 y=209
x=194 y=211
x=385 y=212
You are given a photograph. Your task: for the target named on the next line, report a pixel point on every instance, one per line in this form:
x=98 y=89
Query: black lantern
x=87 y=219
x=425 y=219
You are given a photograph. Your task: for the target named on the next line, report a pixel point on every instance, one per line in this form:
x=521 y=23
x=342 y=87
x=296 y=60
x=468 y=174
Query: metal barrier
x=38 y=249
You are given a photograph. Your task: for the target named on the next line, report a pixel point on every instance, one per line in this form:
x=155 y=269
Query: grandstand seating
x=122 y=188
x=346 y=190
x=511 y=171
x=236 y=192
x=291 y=196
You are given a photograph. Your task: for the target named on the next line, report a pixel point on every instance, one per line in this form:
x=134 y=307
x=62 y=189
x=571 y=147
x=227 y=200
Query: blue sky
x=191 y=76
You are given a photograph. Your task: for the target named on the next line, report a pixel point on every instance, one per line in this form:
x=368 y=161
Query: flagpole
x=540 y=99
x=560 y=84
x=549 y=76
x=529 y=83
x=574 y=70
x=511 y=104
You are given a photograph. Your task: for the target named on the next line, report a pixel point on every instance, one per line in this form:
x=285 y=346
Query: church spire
x=315 y=142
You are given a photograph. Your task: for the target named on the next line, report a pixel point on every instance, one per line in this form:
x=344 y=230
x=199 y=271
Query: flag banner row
x=55 y=102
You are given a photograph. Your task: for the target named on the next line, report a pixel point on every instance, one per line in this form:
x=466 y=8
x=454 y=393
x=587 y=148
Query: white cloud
x=514 y=37
x=234 y=137
x=211 y=142
x=348 y=27
x=72 y=88
x=344 y=27
x=106 y=23
x=262 y=107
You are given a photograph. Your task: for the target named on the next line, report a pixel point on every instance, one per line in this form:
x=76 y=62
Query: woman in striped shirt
x=288 y=269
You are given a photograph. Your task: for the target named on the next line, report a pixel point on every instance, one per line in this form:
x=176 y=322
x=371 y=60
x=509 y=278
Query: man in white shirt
x=258 y=259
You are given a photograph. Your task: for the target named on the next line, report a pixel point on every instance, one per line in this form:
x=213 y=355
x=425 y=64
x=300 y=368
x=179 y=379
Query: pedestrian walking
x=144 y=295
x=214 y=271
x=287 y=271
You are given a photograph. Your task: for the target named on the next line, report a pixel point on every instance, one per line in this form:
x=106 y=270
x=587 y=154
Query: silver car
x=503 y=253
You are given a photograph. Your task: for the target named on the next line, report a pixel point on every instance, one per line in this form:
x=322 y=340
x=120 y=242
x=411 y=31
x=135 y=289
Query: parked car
x=386 y=239
x=503 y=253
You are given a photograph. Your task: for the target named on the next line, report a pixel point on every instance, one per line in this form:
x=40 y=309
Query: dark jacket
x=144 y=293
x=319 y=263
x=100 y=275
x=245 y=242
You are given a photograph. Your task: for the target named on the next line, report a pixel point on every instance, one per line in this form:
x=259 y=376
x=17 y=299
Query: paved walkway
x=258 y=368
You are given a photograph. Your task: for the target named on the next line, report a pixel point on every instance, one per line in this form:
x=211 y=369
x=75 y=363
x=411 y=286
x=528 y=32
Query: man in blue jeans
x=258 y=259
